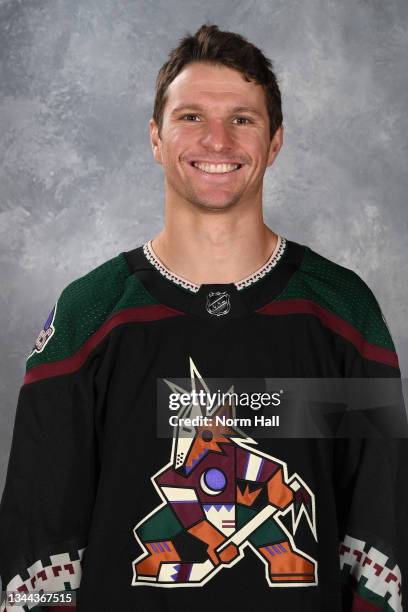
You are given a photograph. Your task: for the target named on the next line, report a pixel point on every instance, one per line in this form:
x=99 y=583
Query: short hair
x=211 y=45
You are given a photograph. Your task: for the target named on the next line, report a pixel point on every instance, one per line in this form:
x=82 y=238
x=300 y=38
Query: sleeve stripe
x=336 y=324
x=63 y=572
x=374 y=580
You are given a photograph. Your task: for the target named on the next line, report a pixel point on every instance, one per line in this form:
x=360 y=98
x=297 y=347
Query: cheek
x=254 y=143
x=176 y=143
x=178 y=135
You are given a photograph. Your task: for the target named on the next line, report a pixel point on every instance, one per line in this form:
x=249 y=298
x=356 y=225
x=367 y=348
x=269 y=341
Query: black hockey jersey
x=99 y=503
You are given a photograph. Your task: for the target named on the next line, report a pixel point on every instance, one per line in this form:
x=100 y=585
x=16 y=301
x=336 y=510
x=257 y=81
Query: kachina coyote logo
x=220 y=496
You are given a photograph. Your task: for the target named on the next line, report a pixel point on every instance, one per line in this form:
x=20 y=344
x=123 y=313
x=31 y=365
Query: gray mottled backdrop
x=77 y=179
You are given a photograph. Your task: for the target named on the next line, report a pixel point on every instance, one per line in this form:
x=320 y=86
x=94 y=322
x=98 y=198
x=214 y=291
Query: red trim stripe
x=336 y=324
x=153 y=312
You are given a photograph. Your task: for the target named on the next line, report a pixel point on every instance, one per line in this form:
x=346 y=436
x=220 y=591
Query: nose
x=217 y=136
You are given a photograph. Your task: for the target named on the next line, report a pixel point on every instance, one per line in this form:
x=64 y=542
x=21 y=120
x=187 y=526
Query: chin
x=215 y=206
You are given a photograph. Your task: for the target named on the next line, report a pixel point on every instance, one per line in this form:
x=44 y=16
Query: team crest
x=218 y=303
x=220 y=498
x=45 y=334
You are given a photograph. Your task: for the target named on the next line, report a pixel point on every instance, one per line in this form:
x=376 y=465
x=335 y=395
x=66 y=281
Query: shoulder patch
x=45 y=334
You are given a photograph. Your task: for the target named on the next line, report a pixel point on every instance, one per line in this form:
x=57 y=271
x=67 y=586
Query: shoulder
x=335 y=284
x=340 y=297
x=76 y=322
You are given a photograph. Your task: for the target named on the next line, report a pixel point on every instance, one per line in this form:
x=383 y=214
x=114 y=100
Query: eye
x=188 y=115
x=245 y=119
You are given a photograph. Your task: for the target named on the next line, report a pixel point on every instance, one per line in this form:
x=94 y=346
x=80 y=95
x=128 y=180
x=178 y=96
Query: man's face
x=213 y=116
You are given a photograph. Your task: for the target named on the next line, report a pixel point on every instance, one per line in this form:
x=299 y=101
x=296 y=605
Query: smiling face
x=215 y=144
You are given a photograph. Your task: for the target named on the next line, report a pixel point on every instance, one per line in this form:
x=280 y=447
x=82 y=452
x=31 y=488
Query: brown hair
x=211 y=45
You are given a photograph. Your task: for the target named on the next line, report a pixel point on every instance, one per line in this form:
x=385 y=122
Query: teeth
x=216 y=168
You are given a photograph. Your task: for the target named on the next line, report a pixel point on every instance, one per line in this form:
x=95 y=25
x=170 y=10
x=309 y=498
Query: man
x=223 y=512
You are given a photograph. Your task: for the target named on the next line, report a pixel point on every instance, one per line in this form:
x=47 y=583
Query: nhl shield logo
x=218 y=303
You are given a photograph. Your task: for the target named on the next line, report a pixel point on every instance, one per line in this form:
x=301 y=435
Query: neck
x=214 y=247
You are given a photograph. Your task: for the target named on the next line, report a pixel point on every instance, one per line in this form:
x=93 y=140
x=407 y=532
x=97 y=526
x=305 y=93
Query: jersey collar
x=217 y=301
x=272 y=261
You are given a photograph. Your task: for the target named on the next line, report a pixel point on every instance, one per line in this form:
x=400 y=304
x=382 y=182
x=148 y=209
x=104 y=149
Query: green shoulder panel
x=342 y=292
x=83 y=306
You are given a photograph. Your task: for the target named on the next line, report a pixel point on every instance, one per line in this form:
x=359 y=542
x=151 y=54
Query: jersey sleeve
x=370 y=476
x=53 y=467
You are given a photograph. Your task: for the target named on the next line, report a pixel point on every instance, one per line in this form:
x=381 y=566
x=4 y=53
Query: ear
x=155 y=141
x=275 y=145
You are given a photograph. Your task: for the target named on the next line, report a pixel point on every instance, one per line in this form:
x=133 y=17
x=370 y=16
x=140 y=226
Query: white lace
x=245 y=282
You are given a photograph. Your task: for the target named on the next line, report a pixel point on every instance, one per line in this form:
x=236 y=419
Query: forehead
x=207 y=83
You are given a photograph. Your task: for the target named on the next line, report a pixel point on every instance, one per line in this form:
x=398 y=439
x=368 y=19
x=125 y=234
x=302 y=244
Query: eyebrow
x=234 y=109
